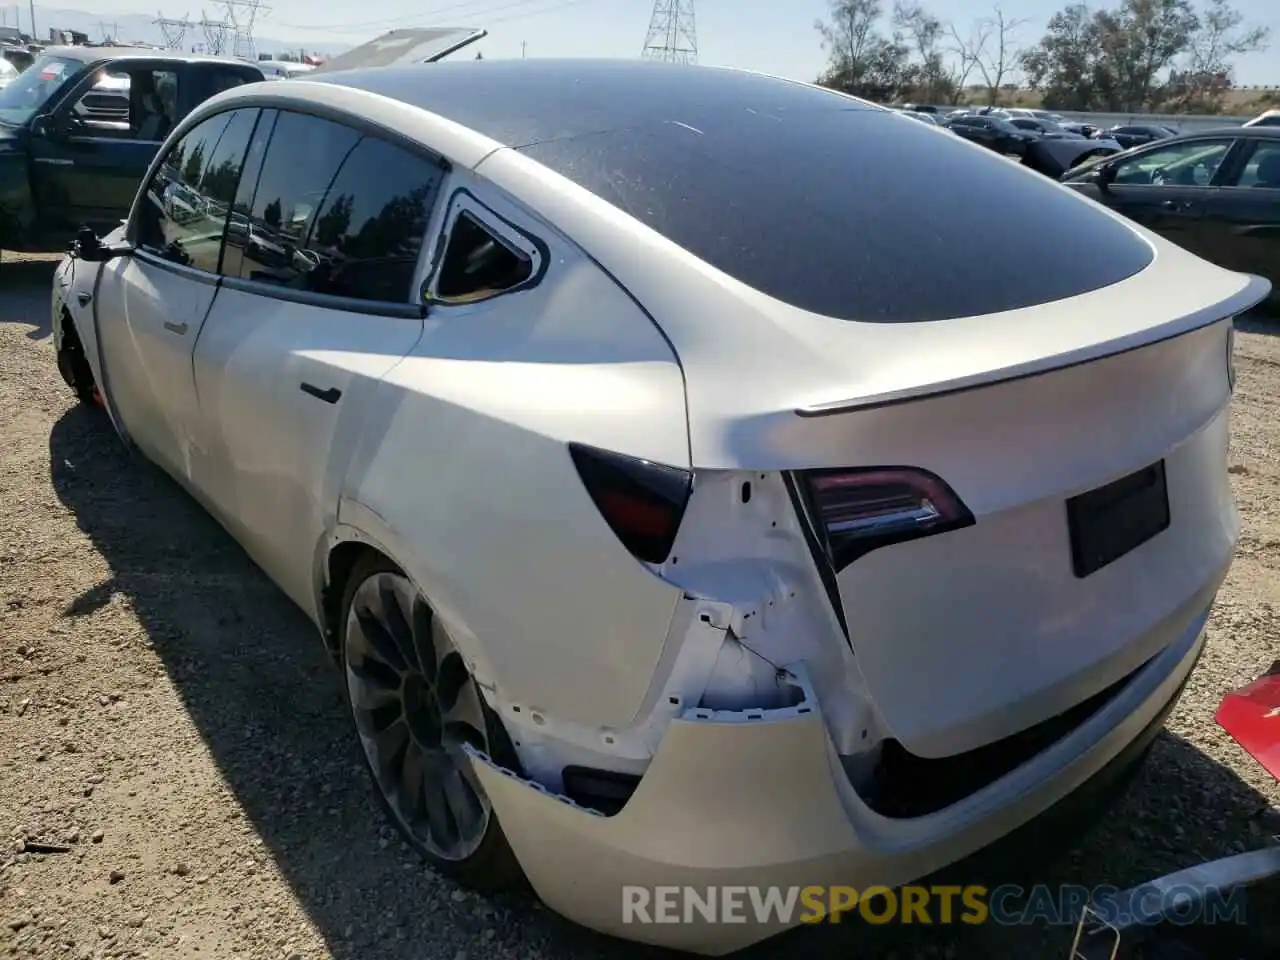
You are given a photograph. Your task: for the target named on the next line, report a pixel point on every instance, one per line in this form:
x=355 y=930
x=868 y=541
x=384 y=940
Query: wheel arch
x=359 y=532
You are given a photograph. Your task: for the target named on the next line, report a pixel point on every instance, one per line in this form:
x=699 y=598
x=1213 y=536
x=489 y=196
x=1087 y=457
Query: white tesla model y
x=702 y=478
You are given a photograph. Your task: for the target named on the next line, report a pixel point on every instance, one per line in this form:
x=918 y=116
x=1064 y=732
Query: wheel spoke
x=397 y=626
x=411 y=781
x=464 y=804
x=370 y=695
x=466 y=711
x=423 y=638
x=379 y=643
x=466 y=765
x=376 y=679
x=387 y=749
x=452 y=678
x=377 y=720
x=443 y=829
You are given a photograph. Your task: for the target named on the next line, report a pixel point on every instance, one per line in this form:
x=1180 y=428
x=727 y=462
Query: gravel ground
x=169 y=718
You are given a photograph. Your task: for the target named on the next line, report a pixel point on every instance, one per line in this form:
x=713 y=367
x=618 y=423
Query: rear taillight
x=643 y=502
x=859 y=510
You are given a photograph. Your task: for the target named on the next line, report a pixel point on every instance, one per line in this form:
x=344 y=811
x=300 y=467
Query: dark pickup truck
x=80 y=126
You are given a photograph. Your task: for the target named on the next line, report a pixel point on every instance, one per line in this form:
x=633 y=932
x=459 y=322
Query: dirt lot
x=168 y=717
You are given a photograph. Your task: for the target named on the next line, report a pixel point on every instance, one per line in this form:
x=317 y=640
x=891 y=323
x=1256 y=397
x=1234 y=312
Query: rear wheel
x=416 y=707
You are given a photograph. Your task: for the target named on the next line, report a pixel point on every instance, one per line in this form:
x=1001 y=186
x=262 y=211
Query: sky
x=772 y=36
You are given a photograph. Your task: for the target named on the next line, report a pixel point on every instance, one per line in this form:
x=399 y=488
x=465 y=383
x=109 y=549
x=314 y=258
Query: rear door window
x=338 y=213
x=1262 y=168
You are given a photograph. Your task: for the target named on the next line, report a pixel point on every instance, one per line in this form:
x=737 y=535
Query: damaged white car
x=702 y=478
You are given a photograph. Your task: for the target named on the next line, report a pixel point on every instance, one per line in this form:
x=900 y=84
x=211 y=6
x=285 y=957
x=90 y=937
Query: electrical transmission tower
x=174 y=31
x=233 y=34
x=241 y=15
x=673 y=34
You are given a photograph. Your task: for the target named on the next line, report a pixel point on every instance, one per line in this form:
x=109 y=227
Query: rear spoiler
x=410 y=45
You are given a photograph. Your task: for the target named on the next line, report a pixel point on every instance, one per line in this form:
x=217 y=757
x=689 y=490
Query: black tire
x=491 y=867
x=74 y=365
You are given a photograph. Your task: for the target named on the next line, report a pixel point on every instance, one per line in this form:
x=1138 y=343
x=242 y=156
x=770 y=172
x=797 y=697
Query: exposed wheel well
x=341 y=561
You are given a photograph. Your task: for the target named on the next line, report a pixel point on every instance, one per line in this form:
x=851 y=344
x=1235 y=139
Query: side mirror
x=88 y=247
x=1106 y=175
x=43 y=126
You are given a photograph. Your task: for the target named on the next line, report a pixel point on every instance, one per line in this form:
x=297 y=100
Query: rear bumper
x=761 y=801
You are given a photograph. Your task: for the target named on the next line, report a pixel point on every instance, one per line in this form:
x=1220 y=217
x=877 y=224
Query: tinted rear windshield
x=852 y=213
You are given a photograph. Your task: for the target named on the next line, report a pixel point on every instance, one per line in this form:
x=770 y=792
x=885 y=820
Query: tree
x=992 y=49
x=1140 y=41
x=1127 y=59
x=334 y=223
x=1208 y=73
x=933 y=79
x=861 y=60
x=1066 y=63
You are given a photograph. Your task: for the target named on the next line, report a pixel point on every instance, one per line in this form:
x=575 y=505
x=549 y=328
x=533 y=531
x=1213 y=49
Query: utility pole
x=33 y=19
x=523 y=45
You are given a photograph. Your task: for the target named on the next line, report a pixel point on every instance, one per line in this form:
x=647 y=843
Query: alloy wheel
x=415 y=707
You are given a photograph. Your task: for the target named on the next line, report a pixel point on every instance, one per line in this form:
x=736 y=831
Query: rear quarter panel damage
x=464 y=459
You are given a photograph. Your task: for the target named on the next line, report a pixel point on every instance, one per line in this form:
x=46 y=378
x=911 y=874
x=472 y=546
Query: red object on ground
x=97 y=396
x=1252 y=716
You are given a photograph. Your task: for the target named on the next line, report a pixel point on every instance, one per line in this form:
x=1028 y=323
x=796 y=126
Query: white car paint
x=722 y=674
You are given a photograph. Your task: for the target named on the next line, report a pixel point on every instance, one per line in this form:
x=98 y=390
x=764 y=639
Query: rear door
x=164 y=291
x=319 y=300
x=1242 y=229
x=1167 y=188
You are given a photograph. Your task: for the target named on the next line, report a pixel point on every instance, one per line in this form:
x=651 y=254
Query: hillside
x=132 y=27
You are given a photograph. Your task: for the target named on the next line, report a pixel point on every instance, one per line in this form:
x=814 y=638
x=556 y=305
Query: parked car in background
x=1026 y=113
x=1050 y=130
x=992 y=132
x=1269 y=118
x=82 y=124
x=1135 y=135
x=283 y=69
x=920 y=583
x=1084 y=129
x=929 y=118
x=1216 y=193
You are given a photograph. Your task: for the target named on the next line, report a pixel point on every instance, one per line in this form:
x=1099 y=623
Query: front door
x=306 y=325
x=108 y=130
x=169 y=285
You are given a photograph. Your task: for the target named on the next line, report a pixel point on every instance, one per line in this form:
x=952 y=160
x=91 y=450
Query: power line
x=673 y=33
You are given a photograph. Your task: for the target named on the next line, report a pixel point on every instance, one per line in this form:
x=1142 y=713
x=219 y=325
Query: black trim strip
x=325 y=301
x=452 y=211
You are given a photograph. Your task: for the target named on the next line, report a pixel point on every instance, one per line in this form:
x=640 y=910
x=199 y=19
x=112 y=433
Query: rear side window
x=335 y=212
x=841 y=212
x=184 y=208
x=369 y=232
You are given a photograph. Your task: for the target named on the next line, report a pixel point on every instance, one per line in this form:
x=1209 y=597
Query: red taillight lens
x=643 y=502
x=863 y=509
